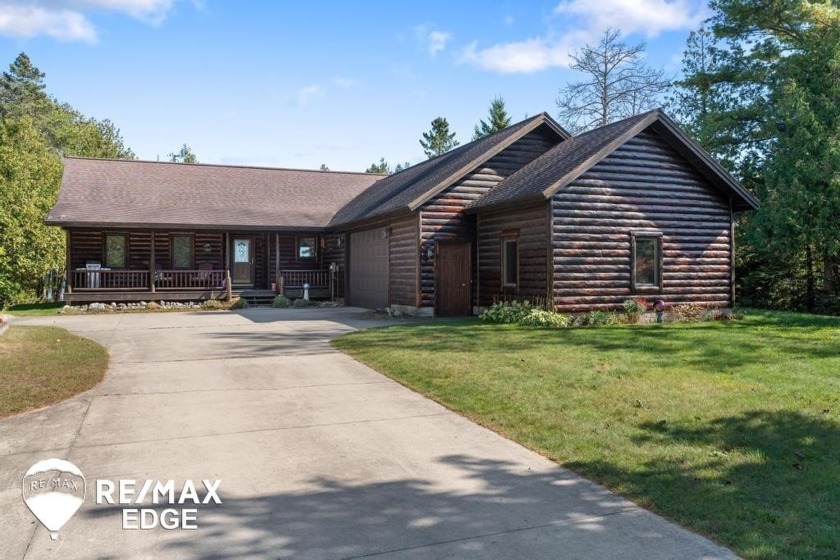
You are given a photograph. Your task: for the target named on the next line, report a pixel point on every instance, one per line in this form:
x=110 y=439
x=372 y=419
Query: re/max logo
x=129 y=492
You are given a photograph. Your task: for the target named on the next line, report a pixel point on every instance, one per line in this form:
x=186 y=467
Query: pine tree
x=714 y=104
x=381 y=167
x=438 y=140
x=497 y=120
x=22 y=89
x=774 y=115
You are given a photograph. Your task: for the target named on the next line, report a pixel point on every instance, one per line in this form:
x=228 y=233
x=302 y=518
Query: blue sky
x=298 y=84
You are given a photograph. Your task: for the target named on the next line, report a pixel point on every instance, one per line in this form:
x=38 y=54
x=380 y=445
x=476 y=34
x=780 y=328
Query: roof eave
x=370 y=220
x=515 y=203
x=66 y=224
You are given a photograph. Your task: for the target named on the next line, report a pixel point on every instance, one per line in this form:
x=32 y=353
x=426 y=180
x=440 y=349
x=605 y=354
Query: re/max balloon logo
x=55 y=489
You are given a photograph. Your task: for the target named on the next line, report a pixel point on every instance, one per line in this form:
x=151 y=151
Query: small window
x=182 y=251
x=115 y=251
x=647 y=268
x=510 y=263
x=306 y=248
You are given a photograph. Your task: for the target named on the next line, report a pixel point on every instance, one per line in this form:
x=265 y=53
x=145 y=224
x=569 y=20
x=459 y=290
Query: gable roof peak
x=408 y=190
x=547 y=174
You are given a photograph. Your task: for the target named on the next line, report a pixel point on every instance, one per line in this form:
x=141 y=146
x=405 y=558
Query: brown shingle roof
x=407 y=190
x=130 y=193
x=562 y=164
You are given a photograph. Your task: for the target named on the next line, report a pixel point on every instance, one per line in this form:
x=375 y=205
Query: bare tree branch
x=619 y=85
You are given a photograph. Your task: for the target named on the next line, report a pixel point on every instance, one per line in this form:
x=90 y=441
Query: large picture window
x=116 y=247
x=646 y=271
x=510 y=262
x=306 y=248
x=182 y=251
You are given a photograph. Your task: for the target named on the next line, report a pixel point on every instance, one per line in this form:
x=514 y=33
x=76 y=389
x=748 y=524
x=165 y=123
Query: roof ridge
x=588 y=149
x=224 y=165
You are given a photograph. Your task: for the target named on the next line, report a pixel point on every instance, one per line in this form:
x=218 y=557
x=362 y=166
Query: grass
x=35 y=309
x=44 y=365
x=729 y=428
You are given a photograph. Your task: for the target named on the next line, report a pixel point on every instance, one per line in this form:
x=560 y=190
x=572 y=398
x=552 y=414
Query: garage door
x=369 y=269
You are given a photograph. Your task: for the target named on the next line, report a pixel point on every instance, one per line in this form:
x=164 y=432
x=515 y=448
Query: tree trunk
x=810 y=295
x=830 y=270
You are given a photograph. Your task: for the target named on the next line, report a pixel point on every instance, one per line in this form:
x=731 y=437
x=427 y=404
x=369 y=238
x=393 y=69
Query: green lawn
x=35 y=309
x=45 y=365
x=729 y=428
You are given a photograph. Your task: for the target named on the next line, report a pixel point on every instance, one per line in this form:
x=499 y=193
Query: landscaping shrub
x=687 y=313
x=239 y=303
x=633 y=309
x=212 y=304
x=281 y=301
x=596 y=319
x=301 y=303
x=507 y=312
x=542 y=318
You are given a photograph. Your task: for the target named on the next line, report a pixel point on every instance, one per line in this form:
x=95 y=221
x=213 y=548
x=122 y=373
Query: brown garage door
x=369 y=269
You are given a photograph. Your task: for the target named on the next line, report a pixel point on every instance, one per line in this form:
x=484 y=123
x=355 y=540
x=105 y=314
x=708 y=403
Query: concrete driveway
x=319 y=456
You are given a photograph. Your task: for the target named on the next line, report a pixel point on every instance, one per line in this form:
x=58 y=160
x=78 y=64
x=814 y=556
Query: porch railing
x=109 y=279
x=113 y=280
x=189 y=279
x=297 y=278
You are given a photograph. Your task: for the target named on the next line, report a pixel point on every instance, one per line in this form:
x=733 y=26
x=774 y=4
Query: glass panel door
x=242 y=271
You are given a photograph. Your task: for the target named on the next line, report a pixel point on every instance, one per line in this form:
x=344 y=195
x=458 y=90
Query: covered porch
x=151 y=264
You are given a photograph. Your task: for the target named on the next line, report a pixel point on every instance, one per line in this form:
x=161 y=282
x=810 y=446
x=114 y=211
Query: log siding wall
x=88 y=245
x=530 y=227
x=443 y=217
x=643 y=186
x=404 y=261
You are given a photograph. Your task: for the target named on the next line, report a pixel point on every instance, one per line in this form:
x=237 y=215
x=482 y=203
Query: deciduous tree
x=35 y=130
x=619 y=84
x=30 y=172
x=184 y=155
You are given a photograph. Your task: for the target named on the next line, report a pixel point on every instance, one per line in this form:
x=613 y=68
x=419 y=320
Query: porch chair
x=204 y=276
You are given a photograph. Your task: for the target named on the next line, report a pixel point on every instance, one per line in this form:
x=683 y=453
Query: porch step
x=257 y=297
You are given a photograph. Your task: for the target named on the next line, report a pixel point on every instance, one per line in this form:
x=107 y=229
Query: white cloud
x=32 y=21
x=345 y=83
x=523 y=57
x=307 y=93
x=67 y=20
x=650 y=17
x=435 y=41
x=149 y=10
x=587 y=20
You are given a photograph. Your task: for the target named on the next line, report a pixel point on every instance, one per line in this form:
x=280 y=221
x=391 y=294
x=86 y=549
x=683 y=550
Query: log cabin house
x=632 y=209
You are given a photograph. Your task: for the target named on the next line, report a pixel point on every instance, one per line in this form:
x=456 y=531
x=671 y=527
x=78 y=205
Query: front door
x=242 y=267
x=453 y=271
